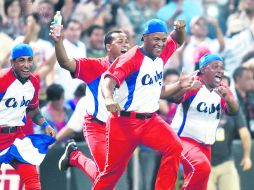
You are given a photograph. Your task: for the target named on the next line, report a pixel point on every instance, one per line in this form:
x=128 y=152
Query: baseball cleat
x=63 y=163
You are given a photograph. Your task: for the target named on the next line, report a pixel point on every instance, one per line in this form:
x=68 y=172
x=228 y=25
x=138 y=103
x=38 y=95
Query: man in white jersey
x=138 y=76
x=18 y=96
x=197 y=118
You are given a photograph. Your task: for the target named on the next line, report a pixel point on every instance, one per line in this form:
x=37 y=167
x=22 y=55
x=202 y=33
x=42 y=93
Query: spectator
x=119 y=20
x=55 y=112
x=95 y=45
x=189 y=10
x=237 y=44
x=93 y=12
x=243 y=79
x=5 y=45
x=138 y=12
x=198 y=37
x=78 y=94
x=244 y=16
x=14 y=23
x=223 y=173
x=45 y=9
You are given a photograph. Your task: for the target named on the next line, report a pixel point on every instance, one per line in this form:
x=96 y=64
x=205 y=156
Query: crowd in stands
x=213 y=26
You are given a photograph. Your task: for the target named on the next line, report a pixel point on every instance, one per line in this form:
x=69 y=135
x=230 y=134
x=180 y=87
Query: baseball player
x=197 y=118
x=137 y=75
x=91 y=71
x=18 y=95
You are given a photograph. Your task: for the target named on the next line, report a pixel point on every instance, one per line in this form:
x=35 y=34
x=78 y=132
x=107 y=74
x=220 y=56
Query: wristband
x=44 y=124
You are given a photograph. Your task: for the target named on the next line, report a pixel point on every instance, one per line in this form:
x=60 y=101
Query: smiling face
x=118 y=46
x=22 y=66
x=212 y=74
x=154 y=43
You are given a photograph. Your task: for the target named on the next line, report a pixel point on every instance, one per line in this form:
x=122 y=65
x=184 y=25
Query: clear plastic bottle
x=58 y=23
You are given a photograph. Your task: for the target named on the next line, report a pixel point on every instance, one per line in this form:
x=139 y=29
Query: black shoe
x=63 y=163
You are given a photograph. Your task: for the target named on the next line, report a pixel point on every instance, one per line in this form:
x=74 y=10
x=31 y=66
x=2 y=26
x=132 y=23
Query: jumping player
x=18 y=95
x=91 y=71
x=197 y=118
x=138 y=77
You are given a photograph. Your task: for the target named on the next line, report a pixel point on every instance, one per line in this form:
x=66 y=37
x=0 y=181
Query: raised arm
x=61 y=55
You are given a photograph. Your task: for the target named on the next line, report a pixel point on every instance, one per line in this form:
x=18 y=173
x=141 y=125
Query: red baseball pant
x=125 y=133
x=95 y=135
x=196 y=159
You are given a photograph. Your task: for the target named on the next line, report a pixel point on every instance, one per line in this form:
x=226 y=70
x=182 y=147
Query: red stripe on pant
x=95 y=135
x=124 y=136
x=196 y=159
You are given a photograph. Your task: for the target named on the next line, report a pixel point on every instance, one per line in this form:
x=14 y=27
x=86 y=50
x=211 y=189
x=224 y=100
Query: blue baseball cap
x=207 y=58
x=155 y=25
x=21 y=50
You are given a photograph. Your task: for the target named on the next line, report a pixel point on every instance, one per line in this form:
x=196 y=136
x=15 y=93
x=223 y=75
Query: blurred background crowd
x=224 y=27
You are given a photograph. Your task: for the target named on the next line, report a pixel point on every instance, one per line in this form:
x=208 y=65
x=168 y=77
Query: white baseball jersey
x=15 y=97
x=139 y=78
x=198 y=115
x=90 y=70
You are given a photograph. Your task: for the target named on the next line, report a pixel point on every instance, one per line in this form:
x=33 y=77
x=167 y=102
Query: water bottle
x=57 y=23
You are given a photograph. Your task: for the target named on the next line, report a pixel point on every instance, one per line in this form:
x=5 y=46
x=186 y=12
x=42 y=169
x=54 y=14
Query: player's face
x=23 y=66
x=119 y=45
x=154 y=43
x=213 y=73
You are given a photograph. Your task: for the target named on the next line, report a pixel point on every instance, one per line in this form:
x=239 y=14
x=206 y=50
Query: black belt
x=142 y=116
x=8 y=130
x=94 y=119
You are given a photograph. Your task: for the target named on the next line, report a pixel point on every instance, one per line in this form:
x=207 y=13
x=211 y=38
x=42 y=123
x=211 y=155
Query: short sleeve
x=124 y=65
x=88 y=69
x=169 y=48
